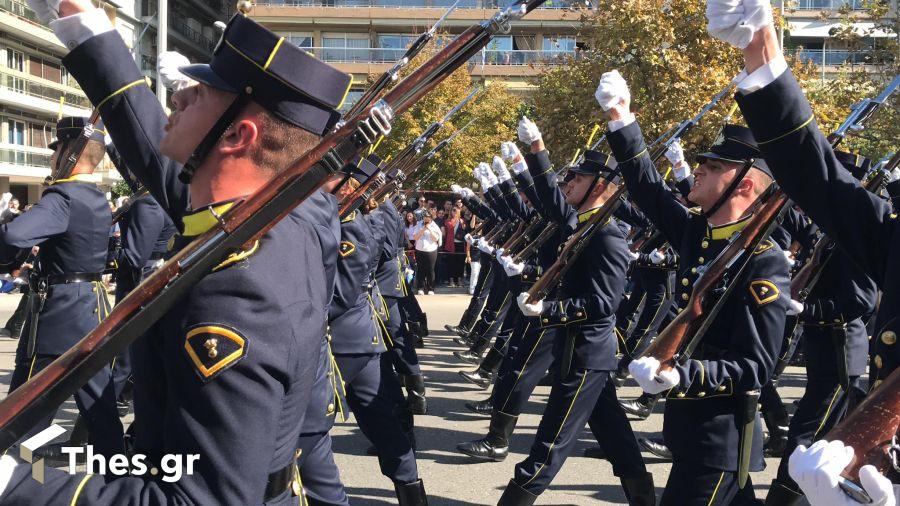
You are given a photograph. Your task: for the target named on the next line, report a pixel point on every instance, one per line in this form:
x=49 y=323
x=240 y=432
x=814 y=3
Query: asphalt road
x=450 y=477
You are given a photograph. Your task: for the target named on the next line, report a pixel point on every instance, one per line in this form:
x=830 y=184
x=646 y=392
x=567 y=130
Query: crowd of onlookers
x=437 y=248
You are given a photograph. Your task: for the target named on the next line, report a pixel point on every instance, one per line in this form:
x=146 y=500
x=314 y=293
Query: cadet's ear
x=240 y=137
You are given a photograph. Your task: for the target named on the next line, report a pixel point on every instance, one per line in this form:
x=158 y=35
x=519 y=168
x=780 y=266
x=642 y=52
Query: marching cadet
x=711 y=404
x=585 y=346
x=226 y=374
x=392 y=287
x=373 y=391
x=808 y=170
x=71 y=224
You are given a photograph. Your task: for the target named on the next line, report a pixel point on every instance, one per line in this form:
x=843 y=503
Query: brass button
x=579 y=314
x=679 y=395
x=95 y=310
x=888 y=337
x=704 y=244
x=685 y=282
x=298 y=453
x=563 y=319
x=545 y=320
x=693 y=270
x=893 y=216
x=721 y=388
x=685 y=296
x=331 y=407
x=701 y=394
x=700 y=260
x=878 y=361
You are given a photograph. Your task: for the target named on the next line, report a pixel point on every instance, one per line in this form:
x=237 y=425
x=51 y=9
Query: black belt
x=279 y=481
x=74 y=277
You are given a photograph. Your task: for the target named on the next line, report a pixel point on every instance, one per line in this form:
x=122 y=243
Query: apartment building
x=35 y=88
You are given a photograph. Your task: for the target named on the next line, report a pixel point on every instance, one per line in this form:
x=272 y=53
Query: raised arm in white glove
x=469 y=239
x=46 y=10
x=528 y=131
x=489 y=176
x=656 y=257
x=484 y=246
x=615 y=99
x=455 y=188
x=893 y=175
x=510 y=152
x=650 y=378
x=735 y=21
x=675 y=154
x=817 y=470
x=795 y=307
x=500 y=168
x=466 y=193
x=529 y=309
x=172 y=78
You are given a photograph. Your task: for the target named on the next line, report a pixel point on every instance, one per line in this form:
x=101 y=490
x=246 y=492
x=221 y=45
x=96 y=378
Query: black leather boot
x=464 y=341
x=495 y=446
x=640 y=407
x=423 y=326
x=478 y=377
x=514 y=495
x=595 y=452
x=640 y=491
x=415 y=389
x=777 y=422
x=656 y=447
x=492 y=360
x=468 y=356
x=484 y=407
x=782 y=495
x=411 y=494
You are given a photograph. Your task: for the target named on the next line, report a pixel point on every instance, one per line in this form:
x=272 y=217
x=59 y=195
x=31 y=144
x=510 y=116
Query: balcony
x=463 y=4
x=836 y=57
x=20 y=10
x=24 y=164
x=484 y=57
x=201 y=41
x=27 y=92
x=821 y=5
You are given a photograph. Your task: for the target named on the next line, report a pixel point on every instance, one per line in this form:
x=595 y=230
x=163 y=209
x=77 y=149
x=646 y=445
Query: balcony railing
x=193 y=35
x=463 y=4
x=487 y=57
x=836 y=56
x=18 y=84
x=19 y=9
x=24 y=156
x=822 y=5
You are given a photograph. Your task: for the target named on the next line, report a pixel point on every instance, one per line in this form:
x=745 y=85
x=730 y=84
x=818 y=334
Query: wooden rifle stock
x=638 y=245
x=120 y=212
x=532 y=248
x=870 y=429
x=517 y=240
x=512 y=238
x=245 y=222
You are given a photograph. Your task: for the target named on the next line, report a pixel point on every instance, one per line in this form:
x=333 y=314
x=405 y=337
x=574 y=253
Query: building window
x=392 y=46
x=299 y=39
x=345 y=47
x=15 y=60
x=16 y=136
x=559 y=44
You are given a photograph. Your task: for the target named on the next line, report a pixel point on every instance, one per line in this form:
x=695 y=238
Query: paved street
x=450 y=477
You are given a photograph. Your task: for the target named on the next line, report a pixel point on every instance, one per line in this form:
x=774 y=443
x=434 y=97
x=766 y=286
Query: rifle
x=389 y=76
x=120 y=212
x=519 y=238
x=399 y=162
x=243 y=223
x=691 y=324
x=578 y=240
x=871 y=429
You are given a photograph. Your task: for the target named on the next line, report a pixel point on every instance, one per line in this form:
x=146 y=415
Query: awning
x=820 y=29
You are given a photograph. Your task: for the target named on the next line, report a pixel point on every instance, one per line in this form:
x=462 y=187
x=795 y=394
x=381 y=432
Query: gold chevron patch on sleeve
x=764 y=291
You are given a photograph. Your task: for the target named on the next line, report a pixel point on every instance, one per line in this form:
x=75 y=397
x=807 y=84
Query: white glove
x=645 y=371
x=167 y=65
x=469 y=239
x=633 y=256
x=499 y=253
x=510 y=151
x=612 y=90
x=790 y=258
x=681 y=171
x=487 y=175
x=500 y=168
x=46 y=10
x=466 y=193
x=529 y=309
x=528 y=131
x=795 y=307
x=735 y=21
x=511 y=268
x=816 y=471
x=7 y=466
x=675 y=153
x=455 y=188
x=893 y=175
x=656 y=257
x=484 y=246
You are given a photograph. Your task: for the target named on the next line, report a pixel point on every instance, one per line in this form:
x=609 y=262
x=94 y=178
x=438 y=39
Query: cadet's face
x=711 y=179
x=196 y=110
x=576 y=188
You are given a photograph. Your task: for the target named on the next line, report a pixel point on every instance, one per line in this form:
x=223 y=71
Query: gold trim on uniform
x=764 y=291
x=223 y=348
